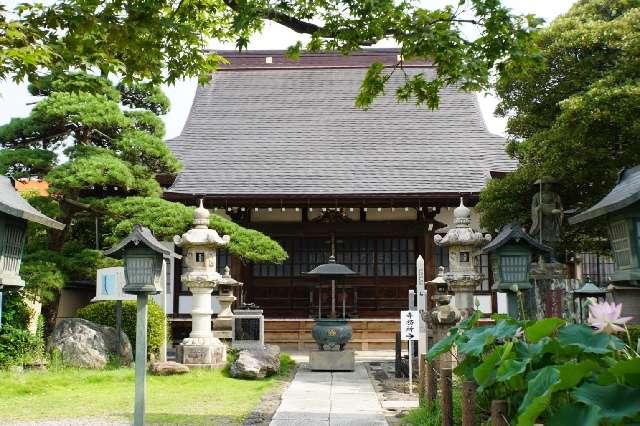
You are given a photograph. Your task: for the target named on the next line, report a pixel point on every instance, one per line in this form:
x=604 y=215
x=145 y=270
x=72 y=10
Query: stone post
x=201 y=312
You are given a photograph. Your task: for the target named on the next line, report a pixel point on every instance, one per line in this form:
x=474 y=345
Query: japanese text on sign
x=409 y=325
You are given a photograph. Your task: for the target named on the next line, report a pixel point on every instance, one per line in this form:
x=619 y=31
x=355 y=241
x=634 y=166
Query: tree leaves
x=162 y=41
x=166 y=219
x=581 y=108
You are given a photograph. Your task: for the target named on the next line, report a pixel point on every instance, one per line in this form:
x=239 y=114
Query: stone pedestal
x=210 y=353
x=332 y=360
x=201 y=348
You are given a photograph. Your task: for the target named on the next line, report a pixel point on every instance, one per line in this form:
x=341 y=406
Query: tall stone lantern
x=463 y=242
x=199 y=245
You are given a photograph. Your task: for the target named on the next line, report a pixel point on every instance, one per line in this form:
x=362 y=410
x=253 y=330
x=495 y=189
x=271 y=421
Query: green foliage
x=633 y=338
x=162 y=40
x=146 y=121
x=430 y=414
x=167 y=219
x=248 y=244
x=145 y=96
x=43 y=279
x=17 y=344
x=22 y=162
x=76 y=82
x=46 y=271
x=104 y=313
x=576 y=117
x=140 y=147
x=545 y=369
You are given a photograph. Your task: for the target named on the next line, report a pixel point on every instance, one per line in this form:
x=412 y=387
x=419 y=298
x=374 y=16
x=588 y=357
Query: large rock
x=168 y=368
x=82 y=343
x=256 y=363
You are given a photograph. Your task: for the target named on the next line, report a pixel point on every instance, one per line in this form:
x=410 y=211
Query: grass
x=199 y=397
x=428 y=414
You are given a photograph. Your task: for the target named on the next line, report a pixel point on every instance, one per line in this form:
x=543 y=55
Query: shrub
x=104 y=313
x=17 y=344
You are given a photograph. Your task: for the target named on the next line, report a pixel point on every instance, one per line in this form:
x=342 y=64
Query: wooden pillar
x=468 y=403
x=431 y=389
x=446 y=393
x=398 y=356
x=499 y=413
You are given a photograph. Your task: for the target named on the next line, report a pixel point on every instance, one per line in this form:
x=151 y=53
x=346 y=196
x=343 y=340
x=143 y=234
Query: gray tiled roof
x=297 y=132
x=625 y=193
x=514 y=232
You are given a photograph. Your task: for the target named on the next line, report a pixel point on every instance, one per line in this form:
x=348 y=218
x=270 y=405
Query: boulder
x=256 y=363
x=168 y=368
x=82 y=343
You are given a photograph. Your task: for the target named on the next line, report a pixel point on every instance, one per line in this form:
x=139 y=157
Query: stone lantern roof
x=201 y=234
x=461 y=234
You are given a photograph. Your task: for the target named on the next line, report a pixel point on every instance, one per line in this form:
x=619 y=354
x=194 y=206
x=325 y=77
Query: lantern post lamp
x=588 y=290
x=511 y=254
x=143 y=257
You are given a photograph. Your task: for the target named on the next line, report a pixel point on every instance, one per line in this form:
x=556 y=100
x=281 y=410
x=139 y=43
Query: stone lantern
x=223 y=324
x=463 y=242
x=511 y=255
x=588 y=291
x=199 y=245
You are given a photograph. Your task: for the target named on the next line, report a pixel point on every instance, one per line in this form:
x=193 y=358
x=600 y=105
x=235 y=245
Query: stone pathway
x=330 y=399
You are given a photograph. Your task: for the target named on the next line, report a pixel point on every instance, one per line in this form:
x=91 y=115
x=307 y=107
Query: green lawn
x=199 y=397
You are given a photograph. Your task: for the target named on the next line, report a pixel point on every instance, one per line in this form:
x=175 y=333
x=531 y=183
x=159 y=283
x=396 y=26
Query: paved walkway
x=330 y=399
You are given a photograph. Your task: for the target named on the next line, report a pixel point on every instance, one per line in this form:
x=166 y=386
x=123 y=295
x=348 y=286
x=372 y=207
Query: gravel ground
x=269 y=403
x=390 y=389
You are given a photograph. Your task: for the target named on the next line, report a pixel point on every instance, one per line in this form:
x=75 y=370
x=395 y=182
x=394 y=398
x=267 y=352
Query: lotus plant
x=606 y=317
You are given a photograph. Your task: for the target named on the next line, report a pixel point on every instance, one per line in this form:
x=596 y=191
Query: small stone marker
x=168 y=368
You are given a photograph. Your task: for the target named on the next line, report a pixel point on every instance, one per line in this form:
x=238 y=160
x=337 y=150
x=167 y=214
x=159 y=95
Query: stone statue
x=546 y=212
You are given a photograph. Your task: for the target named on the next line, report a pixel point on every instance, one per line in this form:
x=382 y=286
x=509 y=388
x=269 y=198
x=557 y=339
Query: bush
x=104 y=313
x=17 y=344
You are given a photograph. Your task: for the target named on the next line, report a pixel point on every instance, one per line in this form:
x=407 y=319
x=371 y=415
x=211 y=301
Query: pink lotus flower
x=606 y=318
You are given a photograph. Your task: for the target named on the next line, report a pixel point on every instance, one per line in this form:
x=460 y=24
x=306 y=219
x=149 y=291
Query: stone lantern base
x=201 y=352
